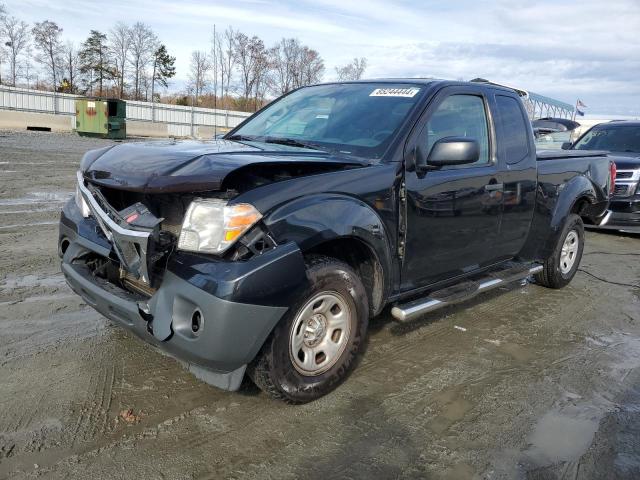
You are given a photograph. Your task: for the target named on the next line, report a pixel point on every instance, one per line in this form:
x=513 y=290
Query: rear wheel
x=316 y=345
x=560 y=268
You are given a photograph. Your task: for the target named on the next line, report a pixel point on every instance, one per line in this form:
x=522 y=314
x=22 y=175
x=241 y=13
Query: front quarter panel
x=312 y=220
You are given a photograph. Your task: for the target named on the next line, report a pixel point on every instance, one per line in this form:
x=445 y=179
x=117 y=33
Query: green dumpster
x=101 y=117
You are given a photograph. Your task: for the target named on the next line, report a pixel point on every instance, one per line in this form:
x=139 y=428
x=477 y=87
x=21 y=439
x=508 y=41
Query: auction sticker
x=394 y=92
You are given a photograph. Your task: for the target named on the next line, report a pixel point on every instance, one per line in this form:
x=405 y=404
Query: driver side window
x=460 y=116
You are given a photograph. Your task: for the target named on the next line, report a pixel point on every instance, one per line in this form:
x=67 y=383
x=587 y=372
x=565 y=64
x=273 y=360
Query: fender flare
x=315 y=219
x=577 y=189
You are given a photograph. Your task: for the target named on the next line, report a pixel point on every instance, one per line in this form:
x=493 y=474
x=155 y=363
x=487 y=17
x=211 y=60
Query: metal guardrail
x=36 y=101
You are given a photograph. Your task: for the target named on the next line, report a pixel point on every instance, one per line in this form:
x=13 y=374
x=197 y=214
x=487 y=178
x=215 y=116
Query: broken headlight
x=81 y=202
x=212 y=226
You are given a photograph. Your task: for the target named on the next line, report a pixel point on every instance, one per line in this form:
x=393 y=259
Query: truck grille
x=624 y=174
x=621 y=190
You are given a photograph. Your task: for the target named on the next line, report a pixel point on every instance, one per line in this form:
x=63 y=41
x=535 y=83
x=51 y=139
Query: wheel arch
x=342 y=227
x=363 y=259
x=580 y=196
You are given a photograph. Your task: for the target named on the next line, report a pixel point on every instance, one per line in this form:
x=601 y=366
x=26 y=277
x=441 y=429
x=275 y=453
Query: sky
x=565 y=49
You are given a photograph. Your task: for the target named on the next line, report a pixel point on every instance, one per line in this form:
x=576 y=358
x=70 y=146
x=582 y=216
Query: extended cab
x=269 y=250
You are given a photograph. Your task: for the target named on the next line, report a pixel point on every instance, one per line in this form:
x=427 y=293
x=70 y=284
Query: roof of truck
x=425 y=81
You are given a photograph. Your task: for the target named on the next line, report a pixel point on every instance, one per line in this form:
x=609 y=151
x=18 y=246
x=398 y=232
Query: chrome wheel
x=320 y=333
x=569 y=251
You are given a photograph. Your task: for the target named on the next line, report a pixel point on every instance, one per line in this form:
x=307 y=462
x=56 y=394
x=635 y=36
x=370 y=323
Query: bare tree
x=310 y=68
x=227 y=58
x=3 y=53
x=29 y=73
x=199 y=70
x=251 y=56
x=71 y=69
x=263 y=78
x=294 y=65
x=119 y=46
x=283 y=59
x=353 y=70
x=16 y=38
x=143 y=44
x=46 y=37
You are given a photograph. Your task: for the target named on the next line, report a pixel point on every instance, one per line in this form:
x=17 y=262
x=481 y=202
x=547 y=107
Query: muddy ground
x=524 y=382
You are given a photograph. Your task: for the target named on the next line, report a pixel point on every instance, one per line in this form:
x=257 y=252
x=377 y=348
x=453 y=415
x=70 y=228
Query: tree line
x=129 y=61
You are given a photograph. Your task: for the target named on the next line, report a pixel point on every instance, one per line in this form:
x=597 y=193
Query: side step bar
x=461 y=292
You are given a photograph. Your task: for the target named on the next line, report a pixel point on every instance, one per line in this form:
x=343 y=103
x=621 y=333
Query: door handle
x=493 y=187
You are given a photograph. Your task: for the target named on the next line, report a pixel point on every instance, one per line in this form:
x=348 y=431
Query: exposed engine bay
x=162 y=214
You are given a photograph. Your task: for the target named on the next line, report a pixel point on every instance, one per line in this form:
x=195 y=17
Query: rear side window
x=460 y=116
x=512 y=129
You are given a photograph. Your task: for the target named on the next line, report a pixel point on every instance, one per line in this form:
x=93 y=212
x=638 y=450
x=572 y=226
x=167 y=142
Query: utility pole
x=215 y=84
x=192 y=113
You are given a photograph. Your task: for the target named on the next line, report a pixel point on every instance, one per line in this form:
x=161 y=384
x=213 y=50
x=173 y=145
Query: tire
x=560 y=268
x=321 y=338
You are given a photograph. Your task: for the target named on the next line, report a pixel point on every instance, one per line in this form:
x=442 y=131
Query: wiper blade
x=237 y=137
x=292 y=142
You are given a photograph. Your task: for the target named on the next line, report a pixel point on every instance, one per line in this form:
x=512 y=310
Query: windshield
x=354 y=119
x=613 y=138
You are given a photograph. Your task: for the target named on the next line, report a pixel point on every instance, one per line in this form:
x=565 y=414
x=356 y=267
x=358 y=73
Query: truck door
x=517 y=162
x=452 y=213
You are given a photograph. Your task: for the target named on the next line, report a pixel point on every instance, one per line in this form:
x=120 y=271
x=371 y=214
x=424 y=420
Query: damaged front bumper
x=213 y=315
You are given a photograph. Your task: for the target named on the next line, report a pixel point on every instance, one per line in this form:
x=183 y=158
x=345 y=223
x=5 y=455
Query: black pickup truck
x=268 y=251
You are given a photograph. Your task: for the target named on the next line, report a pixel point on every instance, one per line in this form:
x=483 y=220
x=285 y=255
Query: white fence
x=180 y=120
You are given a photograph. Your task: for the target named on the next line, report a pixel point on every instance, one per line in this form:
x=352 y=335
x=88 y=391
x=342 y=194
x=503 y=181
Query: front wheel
x=560 y=268
x=316 y=345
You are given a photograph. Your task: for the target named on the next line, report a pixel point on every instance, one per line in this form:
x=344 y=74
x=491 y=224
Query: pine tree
x=94 y=60
x=163 y=68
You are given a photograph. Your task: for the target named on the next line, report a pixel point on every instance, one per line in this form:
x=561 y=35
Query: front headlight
x=212 y=226
x=81 y=202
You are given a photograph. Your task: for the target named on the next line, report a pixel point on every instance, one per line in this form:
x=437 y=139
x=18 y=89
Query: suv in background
x=622 y=139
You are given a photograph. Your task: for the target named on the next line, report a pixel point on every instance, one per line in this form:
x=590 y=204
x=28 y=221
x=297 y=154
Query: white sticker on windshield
x=394 y=92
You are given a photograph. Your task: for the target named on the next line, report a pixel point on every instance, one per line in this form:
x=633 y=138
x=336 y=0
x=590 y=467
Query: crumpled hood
x=188 y=166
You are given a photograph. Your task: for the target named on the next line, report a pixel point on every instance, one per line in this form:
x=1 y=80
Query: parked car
x=546 y=140
x=622 y=139
x=268 y=251
x=551 y=133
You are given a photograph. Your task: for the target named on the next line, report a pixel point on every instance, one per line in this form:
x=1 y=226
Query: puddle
x=566 y=432
x=38 y=197
x=564 y=435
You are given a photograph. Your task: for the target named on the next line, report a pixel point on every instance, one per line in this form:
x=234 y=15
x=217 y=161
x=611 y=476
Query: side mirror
x=450 y=151
x=566 y=146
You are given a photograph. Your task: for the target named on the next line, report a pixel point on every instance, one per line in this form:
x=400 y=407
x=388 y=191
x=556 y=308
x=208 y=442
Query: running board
x=461 y=292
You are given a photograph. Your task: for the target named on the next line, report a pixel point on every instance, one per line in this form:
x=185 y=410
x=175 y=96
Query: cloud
x=586 y=48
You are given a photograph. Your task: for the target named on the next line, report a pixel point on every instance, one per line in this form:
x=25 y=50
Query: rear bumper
x=239 y=303
x=625 y=215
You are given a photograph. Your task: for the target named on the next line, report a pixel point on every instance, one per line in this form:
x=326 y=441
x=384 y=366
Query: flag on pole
x=580 y=108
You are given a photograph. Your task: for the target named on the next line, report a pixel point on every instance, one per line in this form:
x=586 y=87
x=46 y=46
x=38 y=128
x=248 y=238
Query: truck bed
x=561 y=154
